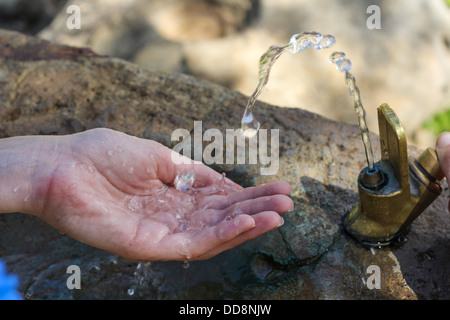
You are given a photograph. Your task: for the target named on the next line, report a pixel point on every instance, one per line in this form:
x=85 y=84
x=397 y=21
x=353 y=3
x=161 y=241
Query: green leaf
x=439 y=122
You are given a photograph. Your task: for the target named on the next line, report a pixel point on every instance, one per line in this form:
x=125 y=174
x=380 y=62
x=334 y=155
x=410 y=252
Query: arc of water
x=298 y=43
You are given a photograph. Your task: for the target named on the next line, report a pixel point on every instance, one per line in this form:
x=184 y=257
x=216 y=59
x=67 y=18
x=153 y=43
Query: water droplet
x=341 y=62
x=303 y=41
x=133 y=203
x=327 y=42
x=16 y=189
x=250 y=125
x=337 y=56
x=130 y=292
x=184 y=181
x=185 y=264
x=113 y=260
x=95 y=268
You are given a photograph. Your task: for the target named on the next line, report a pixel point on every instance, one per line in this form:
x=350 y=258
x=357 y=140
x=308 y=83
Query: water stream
x=298 y=43
x=343 y=64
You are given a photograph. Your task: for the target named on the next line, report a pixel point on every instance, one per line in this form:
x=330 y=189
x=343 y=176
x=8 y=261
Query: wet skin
x=102 y=187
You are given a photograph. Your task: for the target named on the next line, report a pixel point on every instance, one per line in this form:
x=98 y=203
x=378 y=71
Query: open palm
x=116 y=192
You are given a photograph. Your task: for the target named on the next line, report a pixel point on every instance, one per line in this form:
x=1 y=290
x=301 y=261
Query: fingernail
x=442 y=143
x=292 y=208
x=282 y=222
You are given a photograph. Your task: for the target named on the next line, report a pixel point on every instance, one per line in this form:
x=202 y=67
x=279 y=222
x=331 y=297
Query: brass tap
x=396 y=191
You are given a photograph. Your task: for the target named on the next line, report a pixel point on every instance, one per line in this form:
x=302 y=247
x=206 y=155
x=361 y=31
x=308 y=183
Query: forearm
x=26 y=165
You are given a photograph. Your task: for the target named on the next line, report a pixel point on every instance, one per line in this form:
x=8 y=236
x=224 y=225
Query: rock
x=405 y=63
x=50 y=89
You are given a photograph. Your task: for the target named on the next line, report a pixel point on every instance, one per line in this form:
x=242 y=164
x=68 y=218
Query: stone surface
x=406 y=63
x=46 y=89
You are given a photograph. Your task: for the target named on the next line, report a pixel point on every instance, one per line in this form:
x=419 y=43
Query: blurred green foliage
x=439 y=122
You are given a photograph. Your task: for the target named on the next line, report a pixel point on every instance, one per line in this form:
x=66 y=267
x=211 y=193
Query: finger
x=264 y=222
x=172 y=163
x=273 y=188
x=189 y=246
x=443 y=151
x=277 y=203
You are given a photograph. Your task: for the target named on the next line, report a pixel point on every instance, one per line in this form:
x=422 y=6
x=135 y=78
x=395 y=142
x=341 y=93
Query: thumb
x=443 y=152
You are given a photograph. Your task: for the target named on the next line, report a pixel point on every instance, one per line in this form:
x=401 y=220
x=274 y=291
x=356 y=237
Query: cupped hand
x=116 y=192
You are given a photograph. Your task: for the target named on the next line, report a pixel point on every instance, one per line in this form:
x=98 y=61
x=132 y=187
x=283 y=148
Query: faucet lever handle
x=393 y=143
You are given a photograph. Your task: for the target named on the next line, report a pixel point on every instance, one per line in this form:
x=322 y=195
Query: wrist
x=26 y=166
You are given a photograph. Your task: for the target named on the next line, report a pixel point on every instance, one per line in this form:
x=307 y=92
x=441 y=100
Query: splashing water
x=184 y=181
x=343 y=64
x=140 y=277
x=298 y=42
